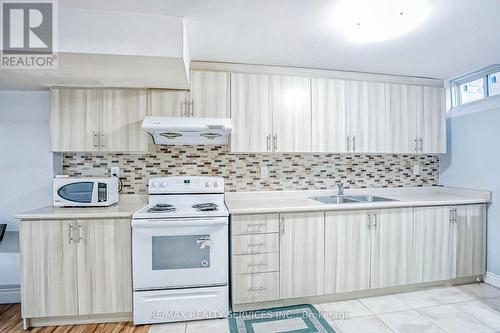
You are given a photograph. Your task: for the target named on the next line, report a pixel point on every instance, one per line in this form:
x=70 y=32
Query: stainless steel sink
x=340 y=199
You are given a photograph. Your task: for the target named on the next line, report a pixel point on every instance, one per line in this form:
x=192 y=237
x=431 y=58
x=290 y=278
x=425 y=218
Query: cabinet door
x=291 y=107
x=104 y=266
x=433 y=131
x=209 y=94
x=328 y=116
x=250 y=113
x=168 y=103
x=122 y=114
x=302 y=254
x=74 y=119
x=471 y=240
x=435 y=244
x=347 y=252
x=392 y=248
x=49 y=273
x=404 y=117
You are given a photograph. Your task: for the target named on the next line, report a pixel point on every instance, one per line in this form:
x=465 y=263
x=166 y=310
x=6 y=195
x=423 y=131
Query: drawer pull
x=256 y=245
x=256 y=225
x=256 y=265
x=257 y=289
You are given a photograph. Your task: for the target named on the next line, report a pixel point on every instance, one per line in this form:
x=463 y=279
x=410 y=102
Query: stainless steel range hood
x=183 y=130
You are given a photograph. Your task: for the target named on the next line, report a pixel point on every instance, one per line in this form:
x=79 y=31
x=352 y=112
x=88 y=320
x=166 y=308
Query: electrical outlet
x=115 y=171
x=416 y=169
x=264 y=172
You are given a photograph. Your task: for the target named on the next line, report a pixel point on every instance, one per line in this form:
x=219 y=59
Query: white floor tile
x=384 y=304
x=346 y=309
x=480 y=290
x=168 y=328
x=452 y=320
x=205 y=326
x=370 y=324
x=409 y=322
x=482 y=312
x=449 y=295
x=420 y=299
x=493 y=302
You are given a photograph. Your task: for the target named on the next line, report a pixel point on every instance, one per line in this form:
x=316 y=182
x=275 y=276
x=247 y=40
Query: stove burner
x=205 y=207
x=161 y=208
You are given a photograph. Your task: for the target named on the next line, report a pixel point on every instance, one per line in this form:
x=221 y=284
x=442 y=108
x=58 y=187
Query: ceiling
x=458 y=37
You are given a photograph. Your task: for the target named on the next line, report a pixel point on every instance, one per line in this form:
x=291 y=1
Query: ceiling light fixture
x=363 y=21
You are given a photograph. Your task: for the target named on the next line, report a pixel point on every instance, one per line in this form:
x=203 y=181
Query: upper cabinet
x=98 y=120
x=168 y=103
x=209 y=94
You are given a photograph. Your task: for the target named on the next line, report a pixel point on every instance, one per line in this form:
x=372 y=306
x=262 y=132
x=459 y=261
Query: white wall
x=26 y=163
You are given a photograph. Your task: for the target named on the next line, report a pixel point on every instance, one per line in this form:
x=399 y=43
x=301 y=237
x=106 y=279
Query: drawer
x=255 y=263
x=255 y=287
x=254 y=224
x=259 y=243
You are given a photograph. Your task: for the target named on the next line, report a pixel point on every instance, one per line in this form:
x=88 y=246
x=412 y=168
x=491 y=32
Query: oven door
x=178 y=253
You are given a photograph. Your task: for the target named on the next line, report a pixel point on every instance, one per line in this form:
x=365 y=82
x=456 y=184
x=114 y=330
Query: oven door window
x=80 y=192
x=181 y=252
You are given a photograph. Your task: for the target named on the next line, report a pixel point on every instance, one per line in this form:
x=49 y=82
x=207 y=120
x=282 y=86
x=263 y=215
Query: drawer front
x=255 y=263
x=260 y=243
x=255 y=287
x=254 y=224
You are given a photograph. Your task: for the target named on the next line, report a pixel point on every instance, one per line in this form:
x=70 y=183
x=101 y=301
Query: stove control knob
x=216 y=184
x=164 y=184
x=155 y=184
x=208 y=184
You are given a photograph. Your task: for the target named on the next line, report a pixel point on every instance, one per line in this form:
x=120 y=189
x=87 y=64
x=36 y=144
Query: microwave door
x=78 y=193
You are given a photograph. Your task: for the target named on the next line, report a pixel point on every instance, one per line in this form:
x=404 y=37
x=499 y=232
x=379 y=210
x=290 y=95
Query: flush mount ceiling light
x=362 y=21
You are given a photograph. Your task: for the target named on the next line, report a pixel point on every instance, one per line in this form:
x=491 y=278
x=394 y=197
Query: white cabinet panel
x=254 y=224
x=328 y=115
x=392 y=247
x=122 y=114
x=250 y=113
x=471 y=240
x=435 y=244
x=209 y=94
x=433 y=132
x=168 y=103
x=75 y=119
x=291 y=108
x=302 y=254
x=347 y=252
x=255 y=287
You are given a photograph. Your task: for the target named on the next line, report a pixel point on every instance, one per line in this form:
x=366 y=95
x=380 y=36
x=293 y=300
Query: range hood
x=183 y=130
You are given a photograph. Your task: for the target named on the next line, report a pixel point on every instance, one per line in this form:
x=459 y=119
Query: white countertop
x=301 y=201
x=126 y=206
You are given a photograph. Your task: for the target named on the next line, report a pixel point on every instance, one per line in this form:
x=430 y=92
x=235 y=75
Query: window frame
x=481 y=74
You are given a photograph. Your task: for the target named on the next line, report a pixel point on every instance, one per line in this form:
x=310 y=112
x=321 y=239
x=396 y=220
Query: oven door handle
x=178 y=222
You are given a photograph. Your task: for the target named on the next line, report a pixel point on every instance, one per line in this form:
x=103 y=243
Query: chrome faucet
x=340 y=188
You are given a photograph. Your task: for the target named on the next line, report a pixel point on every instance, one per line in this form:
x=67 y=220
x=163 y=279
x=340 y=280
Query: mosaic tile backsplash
x=291 y=171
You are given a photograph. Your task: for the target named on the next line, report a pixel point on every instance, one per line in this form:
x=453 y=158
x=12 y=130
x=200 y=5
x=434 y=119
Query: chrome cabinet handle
x=256 y=245
x=183 y=108
x=191 y=108
x=101 y=140
x=421 y=145
x=282 y=226
x=416 y=145
x=79 y=233
x=348 y=144
x=70 y=233
x=96 y=140
x=256 y=265
x=375 y=220
x=369 y=224
x=255 y=225
x=275 y=142
x=268 y=142
x=257 y=289
x=354 y=144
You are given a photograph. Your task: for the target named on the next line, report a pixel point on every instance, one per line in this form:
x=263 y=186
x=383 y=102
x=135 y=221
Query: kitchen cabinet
x=471 y=240
x=365 y=117
x=302 y=251
x=433 y=133
x=168 y=103
x=250 y=113
x=347 y=251
x=328 y=115
x=98 y=120
x=291 y=110
x=209 y=94
x=76 y=267
x=104 y=266
x=49 y=272
x=391 y=247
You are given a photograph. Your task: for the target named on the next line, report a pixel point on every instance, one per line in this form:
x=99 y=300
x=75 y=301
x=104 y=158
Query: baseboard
x=492 y=279
x=10 y=295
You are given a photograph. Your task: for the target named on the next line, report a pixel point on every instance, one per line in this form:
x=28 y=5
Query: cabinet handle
x=70 y=233
x=275 y=142
x=375 y=218
x=256 y=225
x=191 y=108
x=282 y=226
x=348 y=144
x=96 y=140
x=454 y=215
x=183 y=108
x=256 y=265
x=256 y=289
x=421 y=145
x=268 y=142
x=101 y=140
x=354 y=144
x=79 y=233
x=416 y=145
x=369 y=224
x=256 y=245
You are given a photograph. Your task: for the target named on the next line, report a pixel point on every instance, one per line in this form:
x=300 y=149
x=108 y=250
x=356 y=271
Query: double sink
x=340 y=199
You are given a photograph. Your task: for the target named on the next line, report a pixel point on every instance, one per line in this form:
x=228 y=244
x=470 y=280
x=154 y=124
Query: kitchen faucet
x=340 y=188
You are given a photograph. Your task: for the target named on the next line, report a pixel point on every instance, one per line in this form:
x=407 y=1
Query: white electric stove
x=180 y=251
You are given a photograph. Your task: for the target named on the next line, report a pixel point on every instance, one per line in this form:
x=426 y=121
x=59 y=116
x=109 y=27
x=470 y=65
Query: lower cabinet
x=80 y=267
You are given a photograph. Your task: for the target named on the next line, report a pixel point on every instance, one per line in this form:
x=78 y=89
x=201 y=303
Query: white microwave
x=85 y=192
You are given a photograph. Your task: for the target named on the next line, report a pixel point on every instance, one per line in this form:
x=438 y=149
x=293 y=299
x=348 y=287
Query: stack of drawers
x=255 y=258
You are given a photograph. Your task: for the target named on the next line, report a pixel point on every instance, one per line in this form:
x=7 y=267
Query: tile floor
x=473 y=308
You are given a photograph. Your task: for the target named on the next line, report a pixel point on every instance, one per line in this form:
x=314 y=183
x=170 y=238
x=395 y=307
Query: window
x=476 y=86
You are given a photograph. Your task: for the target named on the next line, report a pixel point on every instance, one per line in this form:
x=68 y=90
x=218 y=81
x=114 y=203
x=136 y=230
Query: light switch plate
x=115 y=171
x=264 y=172
x=416 y=169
